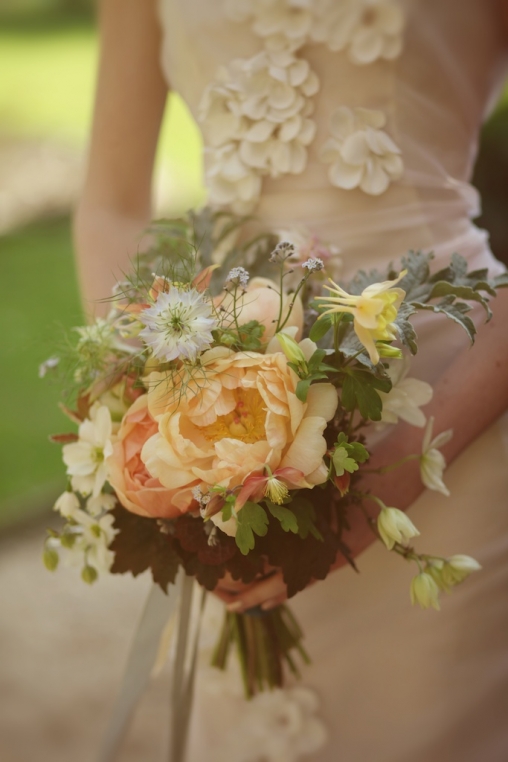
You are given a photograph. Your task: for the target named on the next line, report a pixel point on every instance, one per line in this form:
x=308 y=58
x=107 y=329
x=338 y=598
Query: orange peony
x=236 y=414
x=137 y=490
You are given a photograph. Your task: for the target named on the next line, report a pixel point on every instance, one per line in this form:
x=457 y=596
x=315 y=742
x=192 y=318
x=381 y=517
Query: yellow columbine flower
x=374 y=311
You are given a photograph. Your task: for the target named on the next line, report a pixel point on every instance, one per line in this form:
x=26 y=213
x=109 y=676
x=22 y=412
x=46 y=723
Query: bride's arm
x=131 y=94
x=468 y=398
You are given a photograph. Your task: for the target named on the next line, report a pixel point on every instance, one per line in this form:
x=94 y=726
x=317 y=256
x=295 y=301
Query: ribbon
x=158 y=610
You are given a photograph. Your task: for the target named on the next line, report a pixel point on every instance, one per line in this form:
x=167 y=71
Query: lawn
x=48 y=94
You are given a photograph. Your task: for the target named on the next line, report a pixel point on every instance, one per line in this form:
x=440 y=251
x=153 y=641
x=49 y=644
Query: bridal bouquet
x=224 y=407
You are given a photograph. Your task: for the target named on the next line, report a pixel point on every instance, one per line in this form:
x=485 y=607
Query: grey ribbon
x=158 y=610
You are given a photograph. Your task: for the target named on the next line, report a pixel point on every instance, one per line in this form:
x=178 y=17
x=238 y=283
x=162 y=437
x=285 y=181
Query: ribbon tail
x=158 y=609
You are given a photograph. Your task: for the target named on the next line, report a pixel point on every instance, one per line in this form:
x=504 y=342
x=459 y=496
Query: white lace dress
x=358 y=120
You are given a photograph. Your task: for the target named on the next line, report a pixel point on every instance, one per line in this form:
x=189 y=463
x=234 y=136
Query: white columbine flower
x=432 y=462
x=179 y=324
x=360 y=154
x=457 y=568
x=406 y=396
x=395 y=527
x=424 y=591
x=86 y=459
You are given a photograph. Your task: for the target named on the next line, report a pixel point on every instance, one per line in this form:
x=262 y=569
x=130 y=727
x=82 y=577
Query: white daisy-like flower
x=93 y=536
x=103 y=502
x=406 y=397
x=369 y=30
x=432 y=462
x=67 y=505
x=255 y=121
x=178 y=324
x=86 y=459
x=360 y=153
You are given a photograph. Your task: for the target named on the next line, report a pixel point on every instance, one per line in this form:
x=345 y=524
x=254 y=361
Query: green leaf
x=359 y=391
x=415 y=282
x=287 y=518
x=460 y=292
x=306 y=517
x=227 y=511
x=342 y=462
x=316 y=360
x=252 y=519
x=302 y=389
x=358 y=452
x=405 y=328
x=456 y=312
x=320 y=328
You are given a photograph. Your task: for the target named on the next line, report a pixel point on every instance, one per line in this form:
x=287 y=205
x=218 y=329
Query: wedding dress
x=388 y=682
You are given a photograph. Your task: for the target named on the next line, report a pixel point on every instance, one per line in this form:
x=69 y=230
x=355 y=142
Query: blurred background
x=48 y=57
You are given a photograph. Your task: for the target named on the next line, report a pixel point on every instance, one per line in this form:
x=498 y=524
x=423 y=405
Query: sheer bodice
x=435 y=96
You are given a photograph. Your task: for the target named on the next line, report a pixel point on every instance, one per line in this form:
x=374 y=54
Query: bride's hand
x=268 y=591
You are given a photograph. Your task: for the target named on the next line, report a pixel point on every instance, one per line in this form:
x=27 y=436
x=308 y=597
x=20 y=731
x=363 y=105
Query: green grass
x=38 y=298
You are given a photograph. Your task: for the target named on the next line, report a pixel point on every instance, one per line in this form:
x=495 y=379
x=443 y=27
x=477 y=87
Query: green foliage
x=306 y=517
x=321 y=328
x=285 y=515
x=348 y=455
x=314 y=370
x=252 y=519
x=360 y=391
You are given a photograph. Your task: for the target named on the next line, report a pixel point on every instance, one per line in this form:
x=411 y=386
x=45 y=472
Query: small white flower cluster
x=360 y=153
x=178 y=324
x=283 y=251
x=239 y=275
x=369 y=30
x=313 y=264
x=255 y=120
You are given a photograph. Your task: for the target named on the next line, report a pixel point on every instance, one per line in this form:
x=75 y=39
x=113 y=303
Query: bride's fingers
x=269 y=593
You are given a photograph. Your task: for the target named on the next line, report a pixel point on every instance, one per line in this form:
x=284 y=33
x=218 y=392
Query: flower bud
x=425 y=591
x=290 y=348
x=67 y=505
x=457 y=568
x=394 y=526
x=50 y=559
x=89 y=575
x=386 y=350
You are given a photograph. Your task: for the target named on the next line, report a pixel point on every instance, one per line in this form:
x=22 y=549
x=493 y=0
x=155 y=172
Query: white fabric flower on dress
x=283 y=24
x=255 y=122
x=406 y=396
x=179 y=324
x=86 y=459
x=432 y=462
x=360 y=154
x=368 y=29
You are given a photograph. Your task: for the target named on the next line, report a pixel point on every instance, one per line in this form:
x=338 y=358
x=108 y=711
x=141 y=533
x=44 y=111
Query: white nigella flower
x=395 y=526
x=178 y=324
x=432 y=462
x=93 y=537
x=239 y=275
x=255 y=121
x=406 y=396
x=368 y=29
x=86 y=459
x=360 y=154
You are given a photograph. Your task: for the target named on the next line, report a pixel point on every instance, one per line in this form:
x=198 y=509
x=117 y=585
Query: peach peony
x=236 y=414
x=137 y=490
x=261 y=302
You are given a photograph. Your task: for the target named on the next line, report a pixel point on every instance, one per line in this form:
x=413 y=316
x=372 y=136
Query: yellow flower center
x=246 y=422
x=276 y=491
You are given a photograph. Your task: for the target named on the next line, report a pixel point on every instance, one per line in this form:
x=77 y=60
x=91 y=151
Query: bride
x=362 y=123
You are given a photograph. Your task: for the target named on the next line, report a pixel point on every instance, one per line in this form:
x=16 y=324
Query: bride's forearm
x=106 y=241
